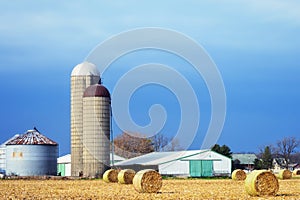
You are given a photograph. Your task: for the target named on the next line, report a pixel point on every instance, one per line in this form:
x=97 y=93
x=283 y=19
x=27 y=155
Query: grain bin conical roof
x=31 y=137
x=85 y=69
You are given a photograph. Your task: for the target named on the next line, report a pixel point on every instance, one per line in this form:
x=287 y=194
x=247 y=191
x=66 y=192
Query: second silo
x=96 y=130
x=31 y=154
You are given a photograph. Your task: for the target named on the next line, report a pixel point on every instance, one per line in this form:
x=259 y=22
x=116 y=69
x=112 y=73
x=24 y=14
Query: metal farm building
x=64 y=163
x=190 y=163
x=31 y=154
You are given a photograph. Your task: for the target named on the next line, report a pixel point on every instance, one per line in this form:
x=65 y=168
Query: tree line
x=129 y=145
x=285 y=149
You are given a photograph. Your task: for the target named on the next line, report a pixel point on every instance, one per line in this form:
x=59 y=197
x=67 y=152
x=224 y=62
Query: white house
x=192 y=163
x=280 y=163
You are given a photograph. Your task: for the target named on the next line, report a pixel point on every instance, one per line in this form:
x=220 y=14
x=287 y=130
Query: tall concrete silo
x=96 y=130
x=31 y=154
x=82 y=76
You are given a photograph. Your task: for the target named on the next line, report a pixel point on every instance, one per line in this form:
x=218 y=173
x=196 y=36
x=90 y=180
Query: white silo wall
x=96 y=135
x=78 y=86
x=31 y=160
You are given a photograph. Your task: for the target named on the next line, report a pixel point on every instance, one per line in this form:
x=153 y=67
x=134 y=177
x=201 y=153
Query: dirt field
x=172 y=189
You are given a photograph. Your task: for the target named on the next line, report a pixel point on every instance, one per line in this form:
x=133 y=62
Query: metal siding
x=31 y=137
x=179 y=168
x=2 y=158
x=206 y=168
x=201 y=168
x=177 y=163
x=244 y=159
x=195 y=168
x=61 y=169
x=31 y=160
x=68 y=169
x=222 y=167
x=96 y=135
x=221 y=164
x=78 y=86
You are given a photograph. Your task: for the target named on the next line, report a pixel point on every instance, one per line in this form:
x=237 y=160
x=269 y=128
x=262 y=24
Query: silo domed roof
x=96 y=90
x=31 y=137
x=85 y=69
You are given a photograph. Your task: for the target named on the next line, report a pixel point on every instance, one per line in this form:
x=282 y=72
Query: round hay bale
x=285 y=174
x=125 y=176
x=238 y=175
x=296 y=172
x=261 y=183
x=147 y=181
x=111 y=176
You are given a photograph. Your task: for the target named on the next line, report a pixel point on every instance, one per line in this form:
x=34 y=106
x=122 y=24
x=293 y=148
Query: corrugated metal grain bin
x=3 y=155
x=31 y=154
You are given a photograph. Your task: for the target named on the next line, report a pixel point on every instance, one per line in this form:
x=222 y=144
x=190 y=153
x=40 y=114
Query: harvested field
x=171 y=189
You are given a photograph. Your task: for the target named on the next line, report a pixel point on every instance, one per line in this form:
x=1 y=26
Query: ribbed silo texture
x=31 y=154
x=96 y=131
x=80 y=80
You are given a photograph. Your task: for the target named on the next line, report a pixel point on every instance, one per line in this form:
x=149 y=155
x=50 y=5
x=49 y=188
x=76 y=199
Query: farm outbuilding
x=64 y=163
x=191 y=163
x=244 y=161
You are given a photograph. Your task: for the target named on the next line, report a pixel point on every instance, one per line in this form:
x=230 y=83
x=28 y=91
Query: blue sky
x=255 y=45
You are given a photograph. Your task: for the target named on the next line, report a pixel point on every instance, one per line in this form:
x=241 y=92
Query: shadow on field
x=287 y=195
x=167 y=192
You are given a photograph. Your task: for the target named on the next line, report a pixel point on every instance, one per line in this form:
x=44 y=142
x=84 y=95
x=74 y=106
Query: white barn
x=64 y=163
x=191 y=163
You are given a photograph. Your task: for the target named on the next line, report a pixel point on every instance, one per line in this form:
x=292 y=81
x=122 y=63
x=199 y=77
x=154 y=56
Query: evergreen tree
x=258 y=164
x=267 y=158
x=224 y=150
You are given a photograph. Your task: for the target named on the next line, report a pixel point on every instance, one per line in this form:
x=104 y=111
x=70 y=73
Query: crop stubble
x=171 y=189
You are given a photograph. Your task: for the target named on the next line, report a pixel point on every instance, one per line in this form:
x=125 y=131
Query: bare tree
x=132 y=145
x=286 y=147
x=295 y=158
x=173 y=145
x=159 y=142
